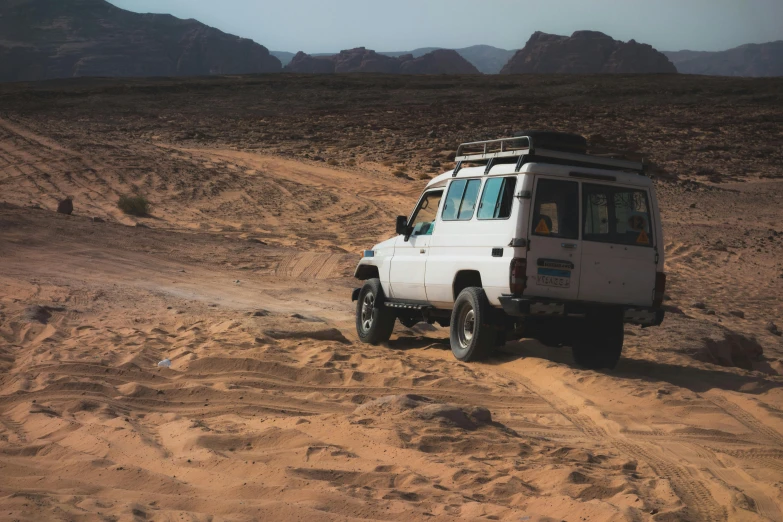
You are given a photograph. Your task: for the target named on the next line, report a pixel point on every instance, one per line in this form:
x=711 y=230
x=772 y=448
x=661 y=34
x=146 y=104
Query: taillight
x=518 y=279
x=660 y=289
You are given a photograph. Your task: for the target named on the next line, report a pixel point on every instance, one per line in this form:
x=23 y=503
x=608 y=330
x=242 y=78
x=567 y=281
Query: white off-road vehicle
x=539 y=240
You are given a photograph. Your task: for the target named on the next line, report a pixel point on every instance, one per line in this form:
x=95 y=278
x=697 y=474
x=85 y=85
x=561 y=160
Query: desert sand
x=264 y=191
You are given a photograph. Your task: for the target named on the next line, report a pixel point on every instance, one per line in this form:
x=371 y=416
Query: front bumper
x=543 y=307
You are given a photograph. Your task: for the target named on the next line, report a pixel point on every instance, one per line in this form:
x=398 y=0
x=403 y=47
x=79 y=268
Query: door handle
x=422 y=251
x=569 y=246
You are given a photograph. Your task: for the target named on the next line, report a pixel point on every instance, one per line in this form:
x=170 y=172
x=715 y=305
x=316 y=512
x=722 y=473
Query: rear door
x=554 y=255
x=619 y=253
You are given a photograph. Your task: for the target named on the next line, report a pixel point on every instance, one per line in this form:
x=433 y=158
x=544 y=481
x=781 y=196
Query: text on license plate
x=559 y=282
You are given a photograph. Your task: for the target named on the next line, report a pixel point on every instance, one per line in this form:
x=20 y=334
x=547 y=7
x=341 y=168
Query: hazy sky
x=399 y=25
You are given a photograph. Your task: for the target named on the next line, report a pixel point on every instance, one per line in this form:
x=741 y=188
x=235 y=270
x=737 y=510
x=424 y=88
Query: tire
x=473 y=336
x=601 y=343
x=374 y=321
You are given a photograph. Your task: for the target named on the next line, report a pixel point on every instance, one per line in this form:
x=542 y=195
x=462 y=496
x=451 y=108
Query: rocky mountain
x=43 y=39
x=487 y=59
x=746 y=60
x=363 y=60
x=586 y=52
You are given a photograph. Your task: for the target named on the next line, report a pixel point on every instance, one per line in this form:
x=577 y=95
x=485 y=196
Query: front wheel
x=473 y=337
x=601 y=343
x=374 y=321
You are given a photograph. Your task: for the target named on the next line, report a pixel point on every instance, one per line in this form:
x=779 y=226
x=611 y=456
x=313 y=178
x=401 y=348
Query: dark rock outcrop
x=306 y=64
x=586 y=52
x=756 y=60
x=361 y=60
x=443 y=61
x=44 y=39
x=65 y=206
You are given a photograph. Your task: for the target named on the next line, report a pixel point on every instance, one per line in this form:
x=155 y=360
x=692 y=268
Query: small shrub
x=351 y=162
x=134 y=205
x=401 y=174
x=425 y=176
x=333 y=162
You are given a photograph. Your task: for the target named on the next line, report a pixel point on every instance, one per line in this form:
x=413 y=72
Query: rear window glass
x=616 y=215
x=556 y=210
x=461 y=200
x=497 y=198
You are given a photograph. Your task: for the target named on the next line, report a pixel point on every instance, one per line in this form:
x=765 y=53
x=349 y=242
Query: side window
x=556 y=209
x=461 y=200
x=423 y=221
x=497 y=198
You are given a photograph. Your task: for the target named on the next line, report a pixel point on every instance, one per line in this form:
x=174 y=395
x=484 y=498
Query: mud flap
x=355 y=294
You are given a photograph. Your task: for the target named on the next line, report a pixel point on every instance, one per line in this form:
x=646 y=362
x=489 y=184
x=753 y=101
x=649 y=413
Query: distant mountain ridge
x=754 y=60
x=362 y=60
x=44 y=39
x=586 y=52
x=486 y=58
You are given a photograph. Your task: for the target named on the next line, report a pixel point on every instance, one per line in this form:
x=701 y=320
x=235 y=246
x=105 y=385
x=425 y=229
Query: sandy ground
x=272 y=410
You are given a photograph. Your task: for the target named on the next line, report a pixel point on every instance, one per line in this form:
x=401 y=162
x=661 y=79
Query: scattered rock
x=255 y=240
x=141 y=225
x=734 y=350
x=40 y=314
x=307 y=318
x=710 y=312
x=259 y=313
x=773 y=329
x=700 y=305
x=693 y=205
x=328 y=334
x=97 y=219
x=427 y=409
x=65 y=206
x=738 y=313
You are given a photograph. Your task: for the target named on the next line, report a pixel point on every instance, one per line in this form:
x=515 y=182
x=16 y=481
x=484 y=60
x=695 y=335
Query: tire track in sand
x=699 y=502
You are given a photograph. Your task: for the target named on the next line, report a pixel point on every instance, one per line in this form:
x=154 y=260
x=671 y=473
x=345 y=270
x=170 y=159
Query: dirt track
x=258 y=419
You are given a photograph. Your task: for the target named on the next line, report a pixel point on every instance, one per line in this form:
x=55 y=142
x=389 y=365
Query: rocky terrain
x=755 y=60
x=44 y=39
x=361 y=60
x=263 y=191
x=586 y=52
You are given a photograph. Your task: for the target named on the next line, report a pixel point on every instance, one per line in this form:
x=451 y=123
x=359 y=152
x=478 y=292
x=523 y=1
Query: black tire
x=600 y=344
x=473 y=336
x=374 y=321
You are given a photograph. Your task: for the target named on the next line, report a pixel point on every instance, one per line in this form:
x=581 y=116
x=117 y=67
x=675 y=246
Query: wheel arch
x=365 y=272
x=465 y=279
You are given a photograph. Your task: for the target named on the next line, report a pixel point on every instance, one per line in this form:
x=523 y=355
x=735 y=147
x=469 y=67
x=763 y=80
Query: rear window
x=461 y=200
x=616 y=215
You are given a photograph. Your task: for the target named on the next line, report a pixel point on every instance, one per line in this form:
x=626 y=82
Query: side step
x=407 y=306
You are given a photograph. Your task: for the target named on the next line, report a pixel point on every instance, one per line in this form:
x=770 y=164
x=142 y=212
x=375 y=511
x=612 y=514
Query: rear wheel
x=472 y=336
x=374 y=321
x=601 y=343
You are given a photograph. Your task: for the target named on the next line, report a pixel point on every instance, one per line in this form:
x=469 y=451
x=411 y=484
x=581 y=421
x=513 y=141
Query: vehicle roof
x=505 y=169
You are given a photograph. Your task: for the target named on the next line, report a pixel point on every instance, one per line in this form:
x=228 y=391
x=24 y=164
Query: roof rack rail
x=523 y=148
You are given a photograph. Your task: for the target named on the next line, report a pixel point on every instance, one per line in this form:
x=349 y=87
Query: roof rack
x=523 y=148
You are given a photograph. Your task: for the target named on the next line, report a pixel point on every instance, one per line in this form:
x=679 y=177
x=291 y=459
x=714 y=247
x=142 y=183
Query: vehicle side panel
x=468 y=245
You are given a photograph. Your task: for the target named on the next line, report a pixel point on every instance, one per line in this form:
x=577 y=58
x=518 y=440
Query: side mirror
x=402 y=225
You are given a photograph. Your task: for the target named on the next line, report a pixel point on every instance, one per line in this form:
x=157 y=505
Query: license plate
x=559 y=282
